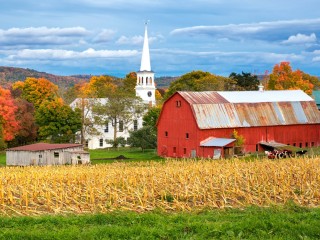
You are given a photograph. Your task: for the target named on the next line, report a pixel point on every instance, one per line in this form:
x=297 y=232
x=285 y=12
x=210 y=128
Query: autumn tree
x=37 y=90
x=199 y=81
x=57 y=121
x=283 y=77
x=9 y=123
x=244 y=81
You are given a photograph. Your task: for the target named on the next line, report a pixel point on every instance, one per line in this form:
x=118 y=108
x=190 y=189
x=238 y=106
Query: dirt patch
x=120 y=157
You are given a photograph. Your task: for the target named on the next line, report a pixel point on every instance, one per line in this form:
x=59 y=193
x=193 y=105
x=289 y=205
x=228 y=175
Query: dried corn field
x=171 y=185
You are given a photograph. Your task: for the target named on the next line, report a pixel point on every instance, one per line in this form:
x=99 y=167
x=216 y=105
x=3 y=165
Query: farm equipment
x=280 y=150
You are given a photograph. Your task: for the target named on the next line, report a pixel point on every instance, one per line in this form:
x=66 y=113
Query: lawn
x=288 y=222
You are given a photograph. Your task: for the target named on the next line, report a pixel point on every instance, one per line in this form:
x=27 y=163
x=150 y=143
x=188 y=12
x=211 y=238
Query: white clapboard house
x=145 y=89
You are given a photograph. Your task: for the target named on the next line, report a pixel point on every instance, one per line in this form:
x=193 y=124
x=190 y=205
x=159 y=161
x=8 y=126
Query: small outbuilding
x=41 y=154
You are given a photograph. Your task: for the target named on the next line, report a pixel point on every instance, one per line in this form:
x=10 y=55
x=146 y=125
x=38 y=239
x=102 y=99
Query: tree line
x=37 y=110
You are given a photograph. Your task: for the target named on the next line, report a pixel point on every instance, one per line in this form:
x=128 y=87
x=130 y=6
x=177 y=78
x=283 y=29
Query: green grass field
x=288 y=222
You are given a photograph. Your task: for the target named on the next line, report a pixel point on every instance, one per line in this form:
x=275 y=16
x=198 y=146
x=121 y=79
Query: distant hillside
x=13 y=74
x=164 y=82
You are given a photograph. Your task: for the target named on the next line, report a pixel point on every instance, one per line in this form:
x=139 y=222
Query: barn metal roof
x=224 y=110
x=216 y=142
x=43 y=146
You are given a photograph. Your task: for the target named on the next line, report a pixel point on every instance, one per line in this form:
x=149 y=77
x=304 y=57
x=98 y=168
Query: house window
x=56 y=154
x=106 y=127
x=135 y=125
x=166 y=134
x=101 y=142
x=174 y=149
x=178 y=103
x=187 y=135
x=120 y=126
x=40 y=156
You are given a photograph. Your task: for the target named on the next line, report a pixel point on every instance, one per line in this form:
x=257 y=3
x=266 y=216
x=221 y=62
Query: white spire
x=145 y=60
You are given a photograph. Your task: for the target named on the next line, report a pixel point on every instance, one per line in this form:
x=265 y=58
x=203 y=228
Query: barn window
x=135 y=125
x=294 y=144
x=184 y=151
x=307 y=144
x=178 y=103
x=187 y=135
x=300 y=145
x=101 y=142
x=106 y=127
x=166 y=133
x=257 y=147
x=56 y=154
x=174 y=149
x=120 y=126
x=312 y=144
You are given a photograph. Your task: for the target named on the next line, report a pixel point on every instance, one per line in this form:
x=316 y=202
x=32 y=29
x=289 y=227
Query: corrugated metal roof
x=216 y=142
x=265 y=96
x=212 y=111
x=203 y=97
x=43 y=147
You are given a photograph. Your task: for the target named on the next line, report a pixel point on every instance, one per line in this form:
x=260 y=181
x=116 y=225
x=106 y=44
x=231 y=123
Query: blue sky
x=105 y=36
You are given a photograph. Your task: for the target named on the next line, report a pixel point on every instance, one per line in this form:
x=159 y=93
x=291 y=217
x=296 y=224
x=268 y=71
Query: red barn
x=200 y=124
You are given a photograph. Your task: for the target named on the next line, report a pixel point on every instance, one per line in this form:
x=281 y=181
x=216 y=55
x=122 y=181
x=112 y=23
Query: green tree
x=129 y=83
x=120 y=108
x=151 y=117
x=144 y=138
x=245 y=81
x=199 y=81
x=57 y=121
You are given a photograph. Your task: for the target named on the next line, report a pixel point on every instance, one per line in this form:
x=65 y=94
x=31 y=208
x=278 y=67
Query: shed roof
x=251 y=108
x=44 y=146
x=216 y=142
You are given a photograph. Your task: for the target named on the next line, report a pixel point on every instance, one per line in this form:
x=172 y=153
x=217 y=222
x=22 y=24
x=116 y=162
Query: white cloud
x=135 y=40
x=41 y=35
x=301 y=39
x=271 y=31
x=50 y=54
x=106 y=35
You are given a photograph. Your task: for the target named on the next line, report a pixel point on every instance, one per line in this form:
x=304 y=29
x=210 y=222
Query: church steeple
x=145 y=60
x=145 y=87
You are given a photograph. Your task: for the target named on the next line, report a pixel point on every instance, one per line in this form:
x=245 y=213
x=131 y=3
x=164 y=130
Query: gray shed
x=47 y=154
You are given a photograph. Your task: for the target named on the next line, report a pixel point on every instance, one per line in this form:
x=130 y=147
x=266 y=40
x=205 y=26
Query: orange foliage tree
x=10 y=125
x=36 y=90
x=283 y=77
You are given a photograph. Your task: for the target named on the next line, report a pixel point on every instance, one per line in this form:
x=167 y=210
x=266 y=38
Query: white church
x=145 y=89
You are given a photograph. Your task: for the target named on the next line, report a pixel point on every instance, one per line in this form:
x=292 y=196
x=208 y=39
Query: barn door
x=193 y=153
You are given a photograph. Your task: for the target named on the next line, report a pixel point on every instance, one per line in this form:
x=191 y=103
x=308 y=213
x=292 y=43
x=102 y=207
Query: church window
x=101 y=142
x=142 y=80
x=150 y=80
x=121 y=126
x=135 y=125
x=106 y=127
x=147 y=80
